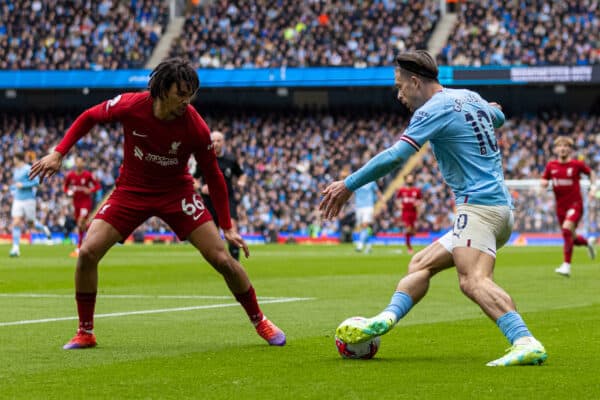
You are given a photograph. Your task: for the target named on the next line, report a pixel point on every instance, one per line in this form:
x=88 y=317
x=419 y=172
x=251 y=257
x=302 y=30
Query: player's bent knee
x=223 y=263
x=88 y=255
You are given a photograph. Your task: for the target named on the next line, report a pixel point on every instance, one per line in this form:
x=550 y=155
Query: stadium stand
x=80 y=34
x=535 y=32
x=257 y=34
x=287 y=158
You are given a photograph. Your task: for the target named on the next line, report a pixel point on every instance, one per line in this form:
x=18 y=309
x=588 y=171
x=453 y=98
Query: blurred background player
x=365 y=198
x=233 y=173
x=80 y=184
x=408 y=199
x=162 y=130
x=24 y=203
x=565 y=173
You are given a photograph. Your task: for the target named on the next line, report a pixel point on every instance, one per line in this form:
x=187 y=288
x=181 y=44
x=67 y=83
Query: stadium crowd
x=288 y=158
x=260 y=34
x=79 y=34
x=536 y=32
x=112 y=34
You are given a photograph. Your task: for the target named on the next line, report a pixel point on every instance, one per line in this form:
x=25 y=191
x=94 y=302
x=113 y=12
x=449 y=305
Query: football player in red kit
x=408 y=199
x=564 y=173
x=80 y=184
x=161 y=131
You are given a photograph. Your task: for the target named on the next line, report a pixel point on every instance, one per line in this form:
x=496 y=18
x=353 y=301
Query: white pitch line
x=124 y=296
x=157 y=311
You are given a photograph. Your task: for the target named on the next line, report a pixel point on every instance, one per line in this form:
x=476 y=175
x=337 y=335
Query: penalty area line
x=155 y=311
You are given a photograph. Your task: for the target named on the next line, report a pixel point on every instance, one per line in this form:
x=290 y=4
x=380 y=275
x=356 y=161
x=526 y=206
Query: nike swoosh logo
x=137 y=134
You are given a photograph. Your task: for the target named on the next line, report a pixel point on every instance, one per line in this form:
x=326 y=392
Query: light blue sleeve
x=425 y=124
x=498 y=117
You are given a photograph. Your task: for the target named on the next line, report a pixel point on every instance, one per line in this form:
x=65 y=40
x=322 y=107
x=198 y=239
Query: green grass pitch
x=189 y=339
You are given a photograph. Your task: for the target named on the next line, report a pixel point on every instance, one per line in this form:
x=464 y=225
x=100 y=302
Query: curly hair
x=173 y=70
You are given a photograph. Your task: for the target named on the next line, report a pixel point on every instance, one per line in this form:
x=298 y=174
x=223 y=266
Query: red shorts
x=572 y=214
x=82 y=209
x=409 y=219
x=182 y=210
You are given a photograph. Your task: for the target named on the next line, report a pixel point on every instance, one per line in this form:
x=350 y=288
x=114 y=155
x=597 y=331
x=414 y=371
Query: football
x=365 y=350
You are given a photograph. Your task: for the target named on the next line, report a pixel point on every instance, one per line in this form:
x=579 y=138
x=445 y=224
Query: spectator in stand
x=83 y=34
x=282 y=154
x=262 y=34
x=536 y=32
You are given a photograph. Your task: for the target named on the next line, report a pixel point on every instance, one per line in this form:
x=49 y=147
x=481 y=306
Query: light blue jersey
x=366 y=196
x=460 y=127
x=27 y=190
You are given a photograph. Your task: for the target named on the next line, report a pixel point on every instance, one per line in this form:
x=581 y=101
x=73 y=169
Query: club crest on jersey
x=174 y=147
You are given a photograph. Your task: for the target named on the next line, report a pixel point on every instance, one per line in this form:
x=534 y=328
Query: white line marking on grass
x=126 y=296
x=156 y=311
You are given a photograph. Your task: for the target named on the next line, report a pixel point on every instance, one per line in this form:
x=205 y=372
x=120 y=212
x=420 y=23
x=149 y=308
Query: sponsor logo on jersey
x=562 y=182
x=161 y=160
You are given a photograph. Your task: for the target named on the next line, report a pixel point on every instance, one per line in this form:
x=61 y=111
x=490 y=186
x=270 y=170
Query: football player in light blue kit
x=459 y=124
x=365 y=198
x=23 y=207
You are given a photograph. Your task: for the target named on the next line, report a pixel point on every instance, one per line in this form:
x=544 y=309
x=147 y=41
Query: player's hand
x=334 y=197
x=47 y=166
x=233 y=237
x=204 y=190
x=494 y=104
x=18 y=185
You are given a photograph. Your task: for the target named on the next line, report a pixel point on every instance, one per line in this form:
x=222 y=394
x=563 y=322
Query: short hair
x=19 y=155
x=173 y=70
x=563 y=140
x=419 y=62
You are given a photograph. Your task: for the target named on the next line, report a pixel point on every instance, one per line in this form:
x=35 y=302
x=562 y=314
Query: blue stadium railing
x=300 y=77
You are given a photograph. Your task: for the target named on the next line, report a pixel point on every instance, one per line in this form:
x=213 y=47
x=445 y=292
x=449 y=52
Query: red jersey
x=156 y=152
x=77 y=182
x=409 y=197
x=565 y=181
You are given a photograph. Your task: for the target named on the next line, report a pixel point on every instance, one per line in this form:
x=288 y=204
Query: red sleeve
x=546 y=174
x=585 y=169
x=207 y=162
x=419 y=194
x=67 y=183
x=95 y=183
x=107 y=111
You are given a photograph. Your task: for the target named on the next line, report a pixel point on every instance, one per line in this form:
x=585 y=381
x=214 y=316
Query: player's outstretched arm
x=233 y=237
x=47 y=166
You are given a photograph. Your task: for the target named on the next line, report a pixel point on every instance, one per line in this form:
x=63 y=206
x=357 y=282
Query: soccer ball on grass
x=365 y=350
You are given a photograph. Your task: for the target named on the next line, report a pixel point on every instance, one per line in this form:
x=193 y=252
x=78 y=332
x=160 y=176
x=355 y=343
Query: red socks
x=407 y=236
x=250 y=304
x=580 y=241
x=568 y=245
x=86 y=303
